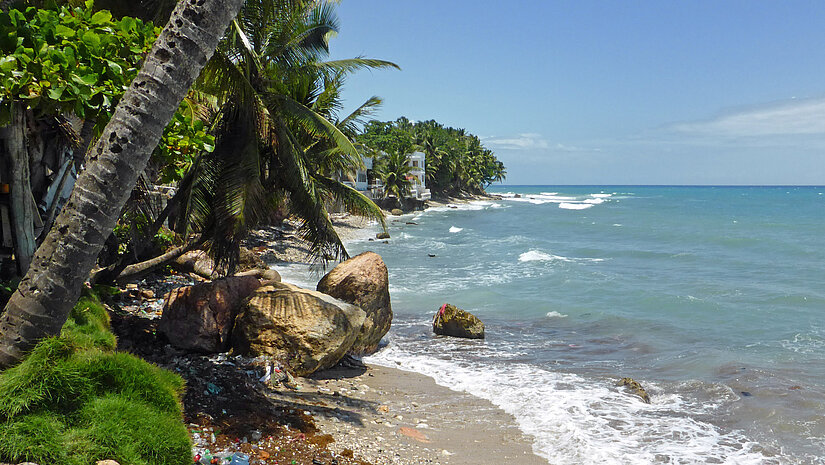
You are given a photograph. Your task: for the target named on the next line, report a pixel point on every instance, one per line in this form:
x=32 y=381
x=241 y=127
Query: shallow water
x=712 y=298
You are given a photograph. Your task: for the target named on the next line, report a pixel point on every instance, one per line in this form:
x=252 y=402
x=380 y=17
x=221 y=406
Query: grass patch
x=74 y=400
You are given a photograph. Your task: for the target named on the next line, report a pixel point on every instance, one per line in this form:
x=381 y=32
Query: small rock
x=106 y=462
x=146 y=294
x=450 y=320
x=382 y=235
x=635 y=388
x=397 y=211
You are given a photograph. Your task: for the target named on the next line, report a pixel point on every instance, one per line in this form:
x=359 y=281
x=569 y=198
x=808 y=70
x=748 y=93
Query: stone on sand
x=363 y=281
x=303 y=329
x=199 y=317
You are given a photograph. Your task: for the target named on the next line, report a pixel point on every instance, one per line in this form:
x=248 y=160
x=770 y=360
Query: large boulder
x=363 y=281
x=453 y=321
x=305 y=330
x=199 y=318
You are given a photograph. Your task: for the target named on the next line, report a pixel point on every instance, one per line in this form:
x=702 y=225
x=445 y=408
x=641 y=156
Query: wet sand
x=389 y=416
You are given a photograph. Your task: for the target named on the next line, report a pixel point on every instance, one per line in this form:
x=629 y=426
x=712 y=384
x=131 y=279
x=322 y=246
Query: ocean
x=713 y=298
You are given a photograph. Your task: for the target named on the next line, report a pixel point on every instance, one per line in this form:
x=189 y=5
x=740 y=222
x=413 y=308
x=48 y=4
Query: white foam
x=454 y=229
x=555 y=314
x=595 y=201
x=575 y=206
x=574 y=420
x=537 y=255
x=601 y=196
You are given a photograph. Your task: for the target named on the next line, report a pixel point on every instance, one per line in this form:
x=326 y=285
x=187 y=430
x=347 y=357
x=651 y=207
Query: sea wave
x=555 y=314
x=574 y=206
x=454 y=229
x=574 y=420
x=539 y=256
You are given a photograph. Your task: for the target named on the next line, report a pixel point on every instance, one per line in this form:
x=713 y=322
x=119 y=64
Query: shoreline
x=403 y=417
x=369 y=415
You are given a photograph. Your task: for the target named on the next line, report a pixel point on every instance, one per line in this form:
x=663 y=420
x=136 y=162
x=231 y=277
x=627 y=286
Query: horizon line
x=660 y=185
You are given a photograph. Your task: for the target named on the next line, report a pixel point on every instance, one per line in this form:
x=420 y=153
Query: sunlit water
x=712 y=298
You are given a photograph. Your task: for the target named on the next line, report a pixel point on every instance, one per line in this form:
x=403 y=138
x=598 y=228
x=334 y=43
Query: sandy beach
x=389 y=416
x=365 y=414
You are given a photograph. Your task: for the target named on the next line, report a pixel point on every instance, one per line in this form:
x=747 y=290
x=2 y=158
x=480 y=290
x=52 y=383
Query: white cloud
x=794 y=118
x=526 y=141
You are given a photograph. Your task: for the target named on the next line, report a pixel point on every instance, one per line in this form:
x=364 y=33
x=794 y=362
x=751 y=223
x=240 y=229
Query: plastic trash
x=239 y=459
x=205 y=457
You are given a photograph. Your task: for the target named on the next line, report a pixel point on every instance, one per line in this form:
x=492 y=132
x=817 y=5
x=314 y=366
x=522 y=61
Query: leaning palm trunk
x=40 y=305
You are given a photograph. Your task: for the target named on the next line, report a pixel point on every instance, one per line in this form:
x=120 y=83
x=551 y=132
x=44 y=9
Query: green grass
x=75 y=401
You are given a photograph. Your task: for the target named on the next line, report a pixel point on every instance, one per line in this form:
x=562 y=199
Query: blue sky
x=580 y=92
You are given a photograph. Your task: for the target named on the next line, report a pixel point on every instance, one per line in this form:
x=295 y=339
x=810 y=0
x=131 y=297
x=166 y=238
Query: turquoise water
x=712 y=298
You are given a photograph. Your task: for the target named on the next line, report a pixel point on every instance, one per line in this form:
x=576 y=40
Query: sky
x=610 y=92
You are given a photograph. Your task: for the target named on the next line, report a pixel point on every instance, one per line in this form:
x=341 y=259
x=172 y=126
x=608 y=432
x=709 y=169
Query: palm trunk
x=21 y=195
x=40 y=305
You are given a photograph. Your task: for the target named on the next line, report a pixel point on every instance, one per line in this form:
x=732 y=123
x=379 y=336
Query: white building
x=418 y=175
x=366 y=181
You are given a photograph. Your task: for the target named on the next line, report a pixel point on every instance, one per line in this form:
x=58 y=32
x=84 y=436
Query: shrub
x=74 y=400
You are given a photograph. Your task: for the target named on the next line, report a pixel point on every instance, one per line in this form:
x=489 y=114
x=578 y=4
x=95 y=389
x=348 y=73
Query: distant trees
x=456 y=162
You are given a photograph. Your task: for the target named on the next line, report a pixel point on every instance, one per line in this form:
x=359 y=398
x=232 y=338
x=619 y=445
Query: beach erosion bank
x=386 y=415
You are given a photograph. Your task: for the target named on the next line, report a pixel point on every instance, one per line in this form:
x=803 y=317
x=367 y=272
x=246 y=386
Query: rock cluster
x=453 y=321
x=255 y=314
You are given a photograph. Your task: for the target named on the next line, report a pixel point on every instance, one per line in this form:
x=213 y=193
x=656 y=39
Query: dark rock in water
x=385 y=242
x=412 y=223
x=431 y=255
x=453 y=321
x=363 y=281
x=634 y=387
x=397 y=212
x=382 y=235
x=517 y=196
x=370 y=239
x=746 y=394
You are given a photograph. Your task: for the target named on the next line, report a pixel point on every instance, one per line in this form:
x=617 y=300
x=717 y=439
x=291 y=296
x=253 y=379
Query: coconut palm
x=276 y=132
x=41 y=304
x=394 y=170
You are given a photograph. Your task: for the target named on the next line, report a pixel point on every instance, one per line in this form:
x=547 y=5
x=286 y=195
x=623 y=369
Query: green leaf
x=8 y=63
x=91 y=40
x=86 y=80
x=58 y=57
x=116 y=68
x=64 y=31
x=101 y=17
x=56 y=93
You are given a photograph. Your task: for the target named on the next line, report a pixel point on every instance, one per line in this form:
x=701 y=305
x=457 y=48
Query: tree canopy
x=456 y=161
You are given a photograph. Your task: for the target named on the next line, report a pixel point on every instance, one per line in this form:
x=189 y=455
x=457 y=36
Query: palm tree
x=394 y=171
x=275 y=135
x=41 y=304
